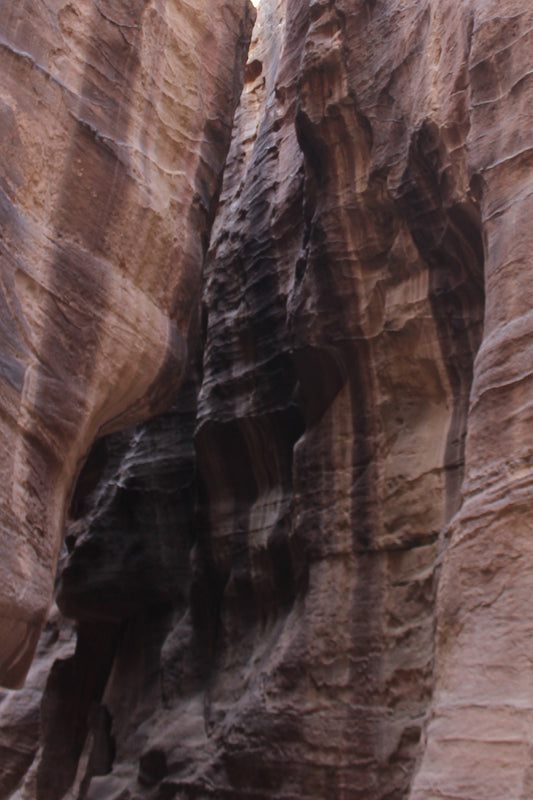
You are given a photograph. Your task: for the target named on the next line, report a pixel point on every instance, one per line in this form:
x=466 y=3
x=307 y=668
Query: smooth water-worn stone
x=115 y=120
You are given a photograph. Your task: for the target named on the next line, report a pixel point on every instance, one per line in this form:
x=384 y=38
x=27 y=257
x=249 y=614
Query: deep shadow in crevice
x=71 y=708
x=447 y=232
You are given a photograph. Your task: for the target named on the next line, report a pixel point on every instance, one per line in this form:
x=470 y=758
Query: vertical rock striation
x=310 y=578
x=385 y=193
x=345 y=300
x=478 y=738
x=115 y=120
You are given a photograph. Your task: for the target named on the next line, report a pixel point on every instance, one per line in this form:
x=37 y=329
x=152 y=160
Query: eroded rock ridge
x=115 y=121
x=311 y=578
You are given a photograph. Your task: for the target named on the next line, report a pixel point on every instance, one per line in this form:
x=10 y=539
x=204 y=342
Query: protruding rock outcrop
x=115 y=120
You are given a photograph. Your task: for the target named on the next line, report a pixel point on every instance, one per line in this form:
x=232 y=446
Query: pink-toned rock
x=335 y=601
x=477 y=741
x=345 y=299
x=378 y=191
x=115 y=120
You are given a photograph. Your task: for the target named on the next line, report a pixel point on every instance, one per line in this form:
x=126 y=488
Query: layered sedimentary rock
x=478 y=738
x=349 y=257
x=115 y=120
x=310 y=579
x=380 y=193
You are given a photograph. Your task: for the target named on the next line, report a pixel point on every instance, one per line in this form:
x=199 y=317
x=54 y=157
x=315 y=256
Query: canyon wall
x=309 y=578
x=115 y=120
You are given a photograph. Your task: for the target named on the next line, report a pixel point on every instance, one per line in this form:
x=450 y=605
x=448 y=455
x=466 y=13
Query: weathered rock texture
x=345 y=302
x=312 y=578
x=115 y=119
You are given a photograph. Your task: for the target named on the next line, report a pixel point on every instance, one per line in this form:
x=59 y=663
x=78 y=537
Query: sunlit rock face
x=312 y=577
x=115 y=120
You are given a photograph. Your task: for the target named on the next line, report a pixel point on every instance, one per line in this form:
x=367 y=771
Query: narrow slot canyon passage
x=295 y=502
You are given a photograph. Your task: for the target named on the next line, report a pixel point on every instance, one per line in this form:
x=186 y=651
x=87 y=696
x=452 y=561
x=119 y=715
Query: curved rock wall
x=478 y=738
x=345 y=301
x=310 y=579
x=115 y=122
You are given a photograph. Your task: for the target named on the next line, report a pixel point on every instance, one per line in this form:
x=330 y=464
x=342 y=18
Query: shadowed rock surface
x=311 y=578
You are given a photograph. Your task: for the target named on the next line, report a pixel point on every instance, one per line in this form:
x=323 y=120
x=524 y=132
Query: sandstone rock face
x=372 y=254
x=115 y=119
x=311 y=578
x=346 y=300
